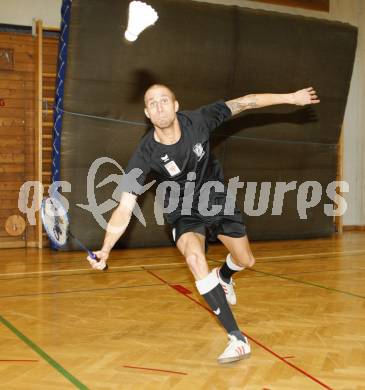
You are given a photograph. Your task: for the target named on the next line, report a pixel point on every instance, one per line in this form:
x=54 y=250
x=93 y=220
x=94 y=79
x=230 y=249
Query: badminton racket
x=56 y=223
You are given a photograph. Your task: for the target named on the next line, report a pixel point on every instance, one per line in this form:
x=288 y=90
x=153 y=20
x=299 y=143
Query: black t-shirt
x=190 y=154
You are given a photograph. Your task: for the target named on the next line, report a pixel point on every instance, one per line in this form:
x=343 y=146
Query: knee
x=193 y=260
x=246 y=260
x=251 y=261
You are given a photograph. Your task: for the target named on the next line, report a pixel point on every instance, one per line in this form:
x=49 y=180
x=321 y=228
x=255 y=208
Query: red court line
x=181 y=289
x=187 y=296
x=155 y=369
x=250 y=338
x=290 y=364
x=18 y=361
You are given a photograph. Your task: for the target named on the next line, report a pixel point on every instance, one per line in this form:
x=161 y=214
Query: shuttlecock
x=141 y=16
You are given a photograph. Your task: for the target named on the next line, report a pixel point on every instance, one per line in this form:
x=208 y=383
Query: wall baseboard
x=348 y=228
x=12 y=244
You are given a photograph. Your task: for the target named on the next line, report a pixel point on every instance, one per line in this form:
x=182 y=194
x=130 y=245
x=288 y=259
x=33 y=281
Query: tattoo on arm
x=244 y=103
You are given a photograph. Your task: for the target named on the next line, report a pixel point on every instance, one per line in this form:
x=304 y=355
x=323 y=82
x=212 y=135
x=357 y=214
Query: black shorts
x=210 y=227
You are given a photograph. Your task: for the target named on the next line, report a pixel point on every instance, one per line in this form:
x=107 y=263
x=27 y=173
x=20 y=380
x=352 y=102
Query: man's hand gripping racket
x=98 y=260
x=57 y=226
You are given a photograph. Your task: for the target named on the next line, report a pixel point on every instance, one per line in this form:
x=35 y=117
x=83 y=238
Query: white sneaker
x=236 y=350
x=227 y=288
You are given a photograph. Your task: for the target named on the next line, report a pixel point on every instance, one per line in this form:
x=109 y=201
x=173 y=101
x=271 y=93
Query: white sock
x=207 y=284
x=232 y=265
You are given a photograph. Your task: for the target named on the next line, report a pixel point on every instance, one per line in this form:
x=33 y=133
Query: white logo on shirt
x=217 y=311
x=165 y=158
x=172 y=168
x=198 y=150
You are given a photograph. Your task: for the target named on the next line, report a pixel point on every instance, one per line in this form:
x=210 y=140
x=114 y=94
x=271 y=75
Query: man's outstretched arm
x=117 y=225
x=299 y=98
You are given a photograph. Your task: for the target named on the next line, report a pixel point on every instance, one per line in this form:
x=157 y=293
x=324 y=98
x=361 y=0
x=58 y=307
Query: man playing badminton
x=177 y=149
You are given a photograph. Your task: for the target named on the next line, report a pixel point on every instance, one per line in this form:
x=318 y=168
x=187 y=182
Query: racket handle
x=94 y=257
x=89 y=252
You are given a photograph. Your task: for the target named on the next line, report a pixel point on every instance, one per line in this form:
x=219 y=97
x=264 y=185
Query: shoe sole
x=234 y=359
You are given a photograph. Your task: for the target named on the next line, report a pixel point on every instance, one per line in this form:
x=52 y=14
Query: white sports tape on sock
x=207 y=284
x=232 y=265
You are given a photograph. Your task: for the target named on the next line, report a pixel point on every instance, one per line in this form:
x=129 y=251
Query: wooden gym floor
x=142 y=325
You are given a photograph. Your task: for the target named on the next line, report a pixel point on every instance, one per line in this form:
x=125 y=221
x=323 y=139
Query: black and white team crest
x=198 y=150
x=165 y=158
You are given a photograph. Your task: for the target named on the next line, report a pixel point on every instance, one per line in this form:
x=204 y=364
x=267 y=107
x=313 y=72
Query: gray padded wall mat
x=206 y=52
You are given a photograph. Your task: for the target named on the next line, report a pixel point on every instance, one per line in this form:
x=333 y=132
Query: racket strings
x=55 y=224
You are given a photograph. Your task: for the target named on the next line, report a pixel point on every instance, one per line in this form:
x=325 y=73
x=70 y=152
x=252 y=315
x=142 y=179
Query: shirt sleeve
x=212 y=116
x=136 y=172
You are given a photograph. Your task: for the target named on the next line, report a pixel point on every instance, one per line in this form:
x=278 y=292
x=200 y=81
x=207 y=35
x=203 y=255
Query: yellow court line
x=137 y=267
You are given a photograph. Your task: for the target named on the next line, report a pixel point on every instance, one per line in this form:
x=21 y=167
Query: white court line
x=147 y=266
x=359 y=251
x=137 y=267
